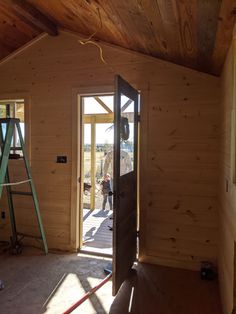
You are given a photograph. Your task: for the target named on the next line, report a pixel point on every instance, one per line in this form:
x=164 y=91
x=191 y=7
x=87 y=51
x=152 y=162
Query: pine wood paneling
x=227 y=186
x=179 y=143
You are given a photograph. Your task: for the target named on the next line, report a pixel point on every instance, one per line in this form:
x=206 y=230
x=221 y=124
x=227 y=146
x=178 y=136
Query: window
x=14 y=109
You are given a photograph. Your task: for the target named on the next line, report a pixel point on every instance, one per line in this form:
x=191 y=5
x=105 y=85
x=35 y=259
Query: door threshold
x=93 y=253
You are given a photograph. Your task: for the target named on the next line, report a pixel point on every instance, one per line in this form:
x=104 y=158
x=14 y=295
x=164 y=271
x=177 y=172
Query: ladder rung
x=21 y=193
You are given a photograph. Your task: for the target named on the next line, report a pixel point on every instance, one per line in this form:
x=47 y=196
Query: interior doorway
x=108 y=157
x=97 y=142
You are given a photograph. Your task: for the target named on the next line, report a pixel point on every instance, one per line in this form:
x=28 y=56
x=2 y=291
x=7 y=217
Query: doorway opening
x=108 y=144
x=97 y=142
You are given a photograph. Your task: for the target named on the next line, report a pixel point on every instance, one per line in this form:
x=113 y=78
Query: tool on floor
x=88 y=294
x=9 y=128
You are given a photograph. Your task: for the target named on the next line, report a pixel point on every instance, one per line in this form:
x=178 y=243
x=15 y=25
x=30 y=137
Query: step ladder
x=12 y=126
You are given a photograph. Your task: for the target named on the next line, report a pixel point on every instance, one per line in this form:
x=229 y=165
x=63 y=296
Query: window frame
x=7 y=97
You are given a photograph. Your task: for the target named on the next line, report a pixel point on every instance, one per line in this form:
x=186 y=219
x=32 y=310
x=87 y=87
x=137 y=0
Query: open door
x=125 y=181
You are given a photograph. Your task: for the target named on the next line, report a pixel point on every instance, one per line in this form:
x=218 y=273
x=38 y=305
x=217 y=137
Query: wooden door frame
x=76 y=188
x=76 y=217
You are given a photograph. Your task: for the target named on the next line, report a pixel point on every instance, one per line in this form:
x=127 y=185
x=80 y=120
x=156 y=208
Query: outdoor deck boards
x=97 y=237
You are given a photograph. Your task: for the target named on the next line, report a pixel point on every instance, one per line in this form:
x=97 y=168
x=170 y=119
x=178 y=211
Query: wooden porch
x=97 y=236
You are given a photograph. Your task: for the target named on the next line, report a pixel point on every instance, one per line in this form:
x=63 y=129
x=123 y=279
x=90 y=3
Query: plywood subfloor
x=39 y=284
x=97 y=237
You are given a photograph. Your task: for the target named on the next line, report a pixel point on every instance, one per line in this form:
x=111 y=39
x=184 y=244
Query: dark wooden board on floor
x=164 y=290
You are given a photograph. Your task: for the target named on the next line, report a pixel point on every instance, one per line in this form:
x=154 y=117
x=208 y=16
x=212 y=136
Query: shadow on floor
x=38 y=284
x=98 y=238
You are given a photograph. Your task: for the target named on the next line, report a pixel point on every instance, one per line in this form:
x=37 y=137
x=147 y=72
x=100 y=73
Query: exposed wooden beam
x=106 y=117
x=34 y=16
x=103 y=104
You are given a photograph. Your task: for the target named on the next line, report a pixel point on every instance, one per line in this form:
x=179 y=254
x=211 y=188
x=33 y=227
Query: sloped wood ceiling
x=193 y=33
x=15 y=31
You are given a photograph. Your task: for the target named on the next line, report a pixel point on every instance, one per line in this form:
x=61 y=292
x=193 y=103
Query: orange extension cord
x=87 y=295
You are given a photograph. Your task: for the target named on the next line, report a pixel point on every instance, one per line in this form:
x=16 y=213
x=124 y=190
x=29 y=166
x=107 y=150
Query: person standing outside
x=106 y=191
x=125 y=163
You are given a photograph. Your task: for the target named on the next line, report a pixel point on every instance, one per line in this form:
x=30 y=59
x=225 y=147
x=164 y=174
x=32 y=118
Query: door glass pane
x=91 y=106
x=108 y=101
x=126 y=135
x=87 y=166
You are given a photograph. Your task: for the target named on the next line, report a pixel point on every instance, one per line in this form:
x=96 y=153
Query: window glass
x=13 y=109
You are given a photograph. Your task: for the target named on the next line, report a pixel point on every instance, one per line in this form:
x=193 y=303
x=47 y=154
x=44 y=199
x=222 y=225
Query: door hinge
x=139 y=117
x=137 y=233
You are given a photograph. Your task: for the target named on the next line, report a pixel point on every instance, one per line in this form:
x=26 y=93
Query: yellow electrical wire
x=91 y=42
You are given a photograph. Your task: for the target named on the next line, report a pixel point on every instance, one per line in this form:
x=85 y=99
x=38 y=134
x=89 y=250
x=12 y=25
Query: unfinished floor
x=38 y=284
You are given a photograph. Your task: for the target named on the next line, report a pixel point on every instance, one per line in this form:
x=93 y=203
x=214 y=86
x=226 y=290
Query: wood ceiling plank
x=13 y=31
x=114 y=23
x=134 y=25
x=226 y=22
x=180 y=31
x=102 y=22
x=13 y=26
x=187 y=26
x=170 y=19
x=207 y=18
x=151 y=11
x=34 y=16
x=82 y=17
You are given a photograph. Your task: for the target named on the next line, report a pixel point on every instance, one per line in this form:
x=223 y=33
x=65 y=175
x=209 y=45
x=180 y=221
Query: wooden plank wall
x=179 y=143
x=227 y=188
